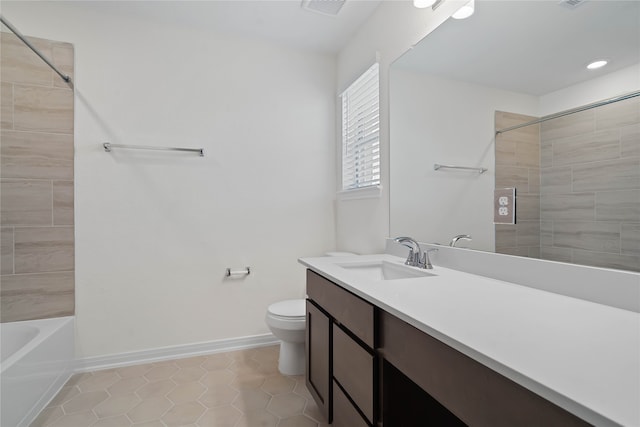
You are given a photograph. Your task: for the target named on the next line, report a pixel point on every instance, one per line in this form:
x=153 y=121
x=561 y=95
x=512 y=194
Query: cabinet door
x=353 y=370
x=318 y=351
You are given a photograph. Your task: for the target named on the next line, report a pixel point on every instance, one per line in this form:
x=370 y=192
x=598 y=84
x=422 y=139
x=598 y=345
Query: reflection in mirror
x=577 y=177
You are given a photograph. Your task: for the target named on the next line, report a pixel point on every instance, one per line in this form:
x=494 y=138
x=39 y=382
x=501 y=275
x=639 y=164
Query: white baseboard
x=173 y=352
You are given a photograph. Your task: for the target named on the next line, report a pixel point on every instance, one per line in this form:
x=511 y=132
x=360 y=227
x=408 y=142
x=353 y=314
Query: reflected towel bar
x=479 y=170
x=108 y=146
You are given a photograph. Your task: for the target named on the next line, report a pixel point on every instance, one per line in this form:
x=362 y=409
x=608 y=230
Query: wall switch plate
x=504 y=206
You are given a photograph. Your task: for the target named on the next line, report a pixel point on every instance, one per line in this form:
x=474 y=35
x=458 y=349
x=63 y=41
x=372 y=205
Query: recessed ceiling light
x=465 y=11
x=597 y=64
x=421 y=4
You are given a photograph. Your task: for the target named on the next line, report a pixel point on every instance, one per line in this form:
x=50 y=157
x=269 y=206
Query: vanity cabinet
x=341 y=350
x=367 y=367
x=318 y=357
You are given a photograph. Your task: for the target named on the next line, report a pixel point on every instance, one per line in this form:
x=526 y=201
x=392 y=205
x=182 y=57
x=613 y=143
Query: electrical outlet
x=504 y=206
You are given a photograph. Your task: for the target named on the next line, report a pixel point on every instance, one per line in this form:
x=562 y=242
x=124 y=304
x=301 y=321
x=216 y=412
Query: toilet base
x=291 y=361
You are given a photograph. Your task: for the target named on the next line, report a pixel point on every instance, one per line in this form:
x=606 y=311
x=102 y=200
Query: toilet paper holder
x=244 y=272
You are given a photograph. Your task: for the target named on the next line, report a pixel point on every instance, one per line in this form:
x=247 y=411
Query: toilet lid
x=288 y=308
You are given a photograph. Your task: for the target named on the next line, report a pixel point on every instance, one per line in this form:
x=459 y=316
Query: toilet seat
x=292 y=309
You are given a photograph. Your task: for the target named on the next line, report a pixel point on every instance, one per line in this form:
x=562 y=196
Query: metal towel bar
x=108 y=146
x=479 y=170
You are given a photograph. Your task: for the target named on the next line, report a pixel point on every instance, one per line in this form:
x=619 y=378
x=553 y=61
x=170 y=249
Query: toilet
x=287 y=321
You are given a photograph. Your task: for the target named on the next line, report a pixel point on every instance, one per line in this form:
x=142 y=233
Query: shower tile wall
x=590 y=187
x=518 y=165
x=36 y=159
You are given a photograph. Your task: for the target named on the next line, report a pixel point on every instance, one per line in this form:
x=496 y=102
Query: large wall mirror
x=577 y=177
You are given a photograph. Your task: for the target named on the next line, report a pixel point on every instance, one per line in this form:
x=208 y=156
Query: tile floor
x=239 y=388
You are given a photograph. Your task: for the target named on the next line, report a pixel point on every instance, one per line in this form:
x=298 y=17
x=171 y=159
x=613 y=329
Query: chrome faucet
x=416 y=257
x=459 y=237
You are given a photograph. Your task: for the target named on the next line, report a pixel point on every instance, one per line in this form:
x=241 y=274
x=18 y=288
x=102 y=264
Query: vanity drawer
x=351 y=311
x=353 y=368
x=344 y=414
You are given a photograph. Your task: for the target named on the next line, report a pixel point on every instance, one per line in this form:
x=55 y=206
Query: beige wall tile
x=528 y=233
x=21 y=65
x=505 y=151
x=42 y=109
x=607 y=260
x=517 y=251
x=556 y=254
x=555 y=180
x=44 y=249
x=588 y=235
x=602 y=145
x=36 y=155
x=524 y=134
x=618 y=114
x=534 y=252
x=546 y=233
x=630 y=141
x=571 y=125
x=511 y=176
x=36 y=296
x=505 y=236
x=607 y=175
x=6 y=263
x=36 y=167
x=26 y=202
x=62 y=58
x=534 y=180
x=630 y=239
x=63 y=203
x=527 y=207
x=546 y=154
x=618 y=206
x=528 y=154
x=580 y=206
x=6 y=103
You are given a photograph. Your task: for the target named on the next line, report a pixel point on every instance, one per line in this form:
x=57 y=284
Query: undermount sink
x=384 y=270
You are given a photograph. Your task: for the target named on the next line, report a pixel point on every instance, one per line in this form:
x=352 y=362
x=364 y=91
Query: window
x=361 y=132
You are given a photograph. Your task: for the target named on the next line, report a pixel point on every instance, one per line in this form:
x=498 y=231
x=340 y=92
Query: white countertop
x=580 y=355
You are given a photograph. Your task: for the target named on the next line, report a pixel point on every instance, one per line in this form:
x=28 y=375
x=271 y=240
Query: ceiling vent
x=571 y=4
x=325 y=7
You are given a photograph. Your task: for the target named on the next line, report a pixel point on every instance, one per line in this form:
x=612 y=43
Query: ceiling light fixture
x=597 y=64
x=465 y=11
x=421 y=4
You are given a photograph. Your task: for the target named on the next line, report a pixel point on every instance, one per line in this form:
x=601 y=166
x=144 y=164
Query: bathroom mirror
x=577 y=177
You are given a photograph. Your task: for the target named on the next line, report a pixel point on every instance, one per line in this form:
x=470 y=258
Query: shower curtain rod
x=571 y=111
x=30 y=46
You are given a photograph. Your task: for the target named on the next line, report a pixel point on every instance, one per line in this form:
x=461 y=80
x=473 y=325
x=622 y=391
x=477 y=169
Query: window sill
x=373 y=192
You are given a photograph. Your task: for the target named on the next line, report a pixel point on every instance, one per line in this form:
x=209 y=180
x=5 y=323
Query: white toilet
x=287 y=321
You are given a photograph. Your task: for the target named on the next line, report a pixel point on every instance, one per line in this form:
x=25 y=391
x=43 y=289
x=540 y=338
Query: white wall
x=155 y=231
x=613 y=84
x=363 y=224
x=426 y=111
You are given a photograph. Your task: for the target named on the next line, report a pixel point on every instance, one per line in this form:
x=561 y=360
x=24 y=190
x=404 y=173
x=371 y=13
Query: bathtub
x=37 y=359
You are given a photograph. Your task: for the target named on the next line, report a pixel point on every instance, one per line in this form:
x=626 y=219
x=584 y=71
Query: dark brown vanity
x=366 y=367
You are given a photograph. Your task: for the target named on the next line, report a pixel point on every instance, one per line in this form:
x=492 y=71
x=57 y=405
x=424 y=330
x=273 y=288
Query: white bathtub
x=37 y=360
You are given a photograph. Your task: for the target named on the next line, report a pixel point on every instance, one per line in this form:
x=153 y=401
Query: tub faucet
x=459 y=237
x=416 y=257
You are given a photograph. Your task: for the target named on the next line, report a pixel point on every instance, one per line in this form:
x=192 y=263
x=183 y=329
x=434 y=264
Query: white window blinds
x=361 y=131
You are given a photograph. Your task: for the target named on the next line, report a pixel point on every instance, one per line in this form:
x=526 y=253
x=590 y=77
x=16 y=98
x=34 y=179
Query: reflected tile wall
x=36 y=181
x=518 y=154
x=590 y=187
x=581 y=202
